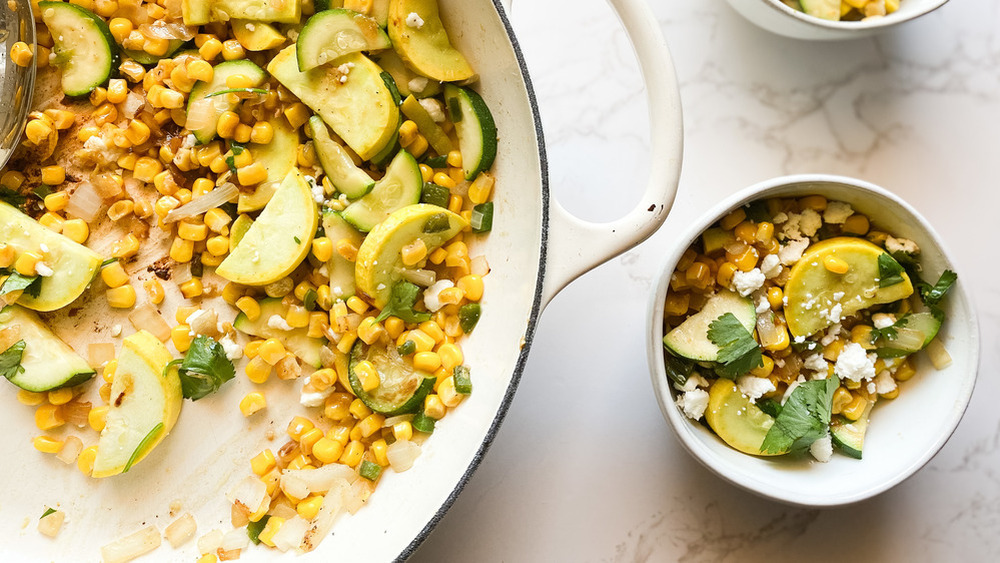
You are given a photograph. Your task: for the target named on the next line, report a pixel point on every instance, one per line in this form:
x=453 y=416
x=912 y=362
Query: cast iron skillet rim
x=536 y=305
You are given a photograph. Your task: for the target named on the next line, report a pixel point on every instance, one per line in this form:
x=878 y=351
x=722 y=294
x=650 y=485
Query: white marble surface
x=585 y=468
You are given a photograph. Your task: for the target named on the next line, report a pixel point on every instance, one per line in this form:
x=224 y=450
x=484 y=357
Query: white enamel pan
x=534 y=250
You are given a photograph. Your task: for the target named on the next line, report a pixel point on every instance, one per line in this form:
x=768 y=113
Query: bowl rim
x=662 y=388
x=877 y=23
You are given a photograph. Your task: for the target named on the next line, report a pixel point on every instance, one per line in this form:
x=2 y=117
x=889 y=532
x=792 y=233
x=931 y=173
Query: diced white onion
x=100 y=353
x=132 y=546
x=133 y=103
x=420 y=277
x=180 y=531
x=50 y=524
x=401 y=455
x=71 y=450
x=76 y=413
x=234 y=539
x=478 y=266
x=291 y=533
x=200 y=114
x=162 y=30
x=333 y=505
x=199 y=205
x=394 y=420
x=146 y=317
x=318 y=480
x=938 y=354
x=294 y=486
x=250 y=492
x=358 y=494
x=210 y=542
x=84 y=203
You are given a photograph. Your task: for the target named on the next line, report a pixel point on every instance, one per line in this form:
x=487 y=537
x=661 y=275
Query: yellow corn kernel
x=414 y=252
x=61 y=119
x=47 y=444
x=85 y=462
x=181 y=250
x=835 y=265
x=347 y=250
x=274 y=523
x=180 y=335
x=853 y=410
x=252 y=403
x=262 y=463
x=426 y=173
x=227 y=123
x=327 y=450
x=367 y=375
x=446 y=391
x=454 y=159
x=216 y=219
x=108 y=372
x=472 y=285
x=905 y=371
x=53 y=176
x=52 y=221
x=451 y=356
x=432 y=329
x=862 y=334
x=444 y=180
x=841 y=398
x=814 y=202
x=352 y=453
x=747 y=260
x=309 y=439
x=262 y=133
x=433 y=407
x=121 y=297
x=340 y=434
x=192 y=232
x=26 y=263
x=309 y=507
x=359 y=409
x=60 y=396
x=57 y=201
x=423 y=341
x=407 y=133
x=765 y=369
x=451 y=296
x=297 y=316
x=394 y=326
x=37 y=131
x=371 y=424
x=272 y=351
x=322 y=248
x=105 y=392
x=402 y=430
x=249 y=306
x=125 y=247
x=97 y=417
x=297 y=114
x=775 y=297
x=200 y=70
x=252 y=174
x=114 y=275
x=427 y=361
x=232 y=50
x=258 y=371
x=76 y=230
x=218 y=245
x=380 y=449
x=154 y=289
x=782 y=342
x=856 y=224
x=48 y=417
x=192 y=288
x=418 y=147
x=12 y=179
x=298 y=426
x=29 y=398
x=21 y=54
x=891 y=6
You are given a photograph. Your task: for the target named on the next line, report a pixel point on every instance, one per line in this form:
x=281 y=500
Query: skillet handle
x=576 y=246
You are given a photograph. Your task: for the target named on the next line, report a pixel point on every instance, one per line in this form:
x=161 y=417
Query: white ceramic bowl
x=904 y=433
x=775 y=16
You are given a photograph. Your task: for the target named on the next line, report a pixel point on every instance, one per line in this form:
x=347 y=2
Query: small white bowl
x=776 y=17
x=904 y=434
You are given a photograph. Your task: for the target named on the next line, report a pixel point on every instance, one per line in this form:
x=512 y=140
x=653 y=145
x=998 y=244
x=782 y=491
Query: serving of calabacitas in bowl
x=271 y=271
x=811 y=342
x=832 y=20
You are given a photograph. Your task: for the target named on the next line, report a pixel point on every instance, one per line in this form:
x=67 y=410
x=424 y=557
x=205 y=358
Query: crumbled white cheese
x=344 y=70
x=780 y=218
x=792 y=227
x=233 y=350
x=694 y=381
x=193 y=317
x=754 y=387
x=838 y=295
x=42 y=269
x=313 y=398
x=250 y=26
x=693 y=403
x=189 y=141
x=771 y=266
x=904 y=245
x=835 y=313
x=837 y=212
x=822 y=449
x=884 y=383
x=855 y=363
x=414 y=20
x=815 y=362
x=279 y=323
x=432 y=295
x=791 y=387
x=417 y=84
x=883 y=320
x=762 y=305
x=317 y=190
x=810 y=222
x=746 y=283
x=831 y=334
x=434 y=109
x=791 y=252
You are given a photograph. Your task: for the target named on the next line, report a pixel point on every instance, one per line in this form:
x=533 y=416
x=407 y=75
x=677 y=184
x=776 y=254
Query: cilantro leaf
x=47 y=512
x=42 y=190
x=12 y=197
x=678 y=369
x=738 y=351
x=404 y=296
x=889 y=271
x=204 y=369
x=10 y=360
x=804 y=418
x=932 y=295
x=890 y=332
x=16 y=282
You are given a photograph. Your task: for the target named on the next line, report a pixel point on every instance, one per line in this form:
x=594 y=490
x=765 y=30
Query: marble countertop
x=585 y=468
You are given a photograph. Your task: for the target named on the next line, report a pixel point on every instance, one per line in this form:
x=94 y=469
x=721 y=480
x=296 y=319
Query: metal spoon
x=17 y=84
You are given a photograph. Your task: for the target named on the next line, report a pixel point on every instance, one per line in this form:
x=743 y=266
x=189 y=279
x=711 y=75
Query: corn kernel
x=48 y=417
x=249 y=306
x=181 y=250
x=47 y=444
x=252 y=174
x=433 y=407
x=180 y=335
x=298 y=426
x=352 y=453
x=97 y=418
x=252 y=403
x=192 y=288
x=26 y=264
x=358 y=409
x=262 y=133
x=60 y=396
x=114 y=275
x=257 y=370
x=85 y=462
x=121 y=297
x=427 y=361
x=327 y=450
x=125 y=248
x=272 y=351
x=76 y=230
x=154 y=289
x=835 y=264
x=29 y=398
x=322 y=249
x=297 y=114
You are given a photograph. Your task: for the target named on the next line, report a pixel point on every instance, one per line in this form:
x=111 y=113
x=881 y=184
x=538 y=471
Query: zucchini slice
x=200 y=12
x=203 y=111
x=915 y=335
x=84 y=48
x=337 y=164
x=278 y=157
x=419 y=36
x=690 y=338
x=331 y=34
x=401 y=186
x=48 y=362
x=401 y=389
x=295 y=340
x=849 y=437
x=341 y=270
x=477 y=132
x=351 y=98
x=257 y=35
x=825 y=9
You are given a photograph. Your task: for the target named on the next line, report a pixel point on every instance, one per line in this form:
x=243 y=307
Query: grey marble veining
x=585 y=469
